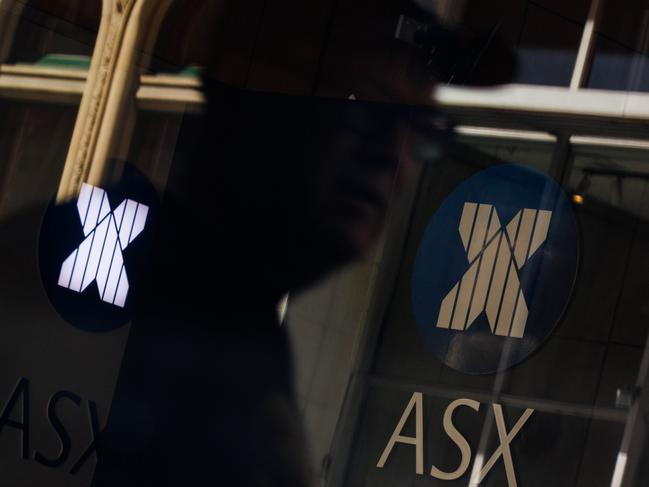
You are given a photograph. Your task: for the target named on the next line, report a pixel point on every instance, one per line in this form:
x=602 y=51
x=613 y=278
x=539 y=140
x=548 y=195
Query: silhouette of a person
x=279 y=191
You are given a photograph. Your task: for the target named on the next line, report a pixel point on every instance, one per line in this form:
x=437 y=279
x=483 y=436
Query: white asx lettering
x=503 y=450
x=458 y=439
x=418 y=440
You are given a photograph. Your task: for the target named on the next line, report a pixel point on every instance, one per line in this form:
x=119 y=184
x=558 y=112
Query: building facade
x=87 y=85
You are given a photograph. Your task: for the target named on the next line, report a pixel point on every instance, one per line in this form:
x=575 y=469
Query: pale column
x=126 y=29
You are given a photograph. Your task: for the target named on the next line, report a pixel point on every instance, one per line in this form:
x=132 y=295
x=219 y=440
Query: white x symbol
x=99 y=257
x=495 y=256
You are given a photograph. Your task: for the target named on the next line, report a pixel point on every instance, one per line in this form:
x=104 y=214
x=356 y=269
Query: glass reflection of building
x=576 y=111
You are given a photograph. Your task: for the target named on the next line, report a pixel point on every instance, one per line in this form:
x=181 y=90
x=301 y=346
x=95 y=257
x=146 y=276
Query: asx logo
x=94 y=251
x=99 y=257
x=495 y=268
x=480 y=468
x=496 y=256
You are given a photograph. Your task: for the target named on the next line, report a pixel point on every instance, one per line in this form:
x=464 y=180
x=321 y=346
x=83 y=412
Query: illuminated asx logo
x=496 y=255
x=495 y=269
x=99 y=256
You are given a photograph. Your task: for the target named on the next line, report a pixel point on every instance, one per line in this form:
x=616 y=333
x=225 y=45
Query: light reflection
x=618 y=473
x=477 y=468
x=578 y=199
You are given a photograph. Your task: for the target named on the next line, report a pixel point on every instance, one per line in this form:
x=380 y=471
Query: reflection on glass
x=34 y=142
x=546 y=56
x=621 y=46
x=616 y=181
x=55 y=33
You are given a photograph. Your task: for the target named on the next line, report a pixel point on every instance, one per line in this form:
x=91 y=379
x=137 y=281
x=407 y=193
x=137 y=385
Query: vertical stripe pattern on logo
x=99 y=256
x=495 y=255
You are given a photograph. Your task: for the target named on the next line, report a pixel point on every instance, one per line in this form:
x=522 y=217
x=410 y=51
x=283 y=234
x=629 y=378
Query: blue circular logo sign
x=93 y=251
x=495 y=269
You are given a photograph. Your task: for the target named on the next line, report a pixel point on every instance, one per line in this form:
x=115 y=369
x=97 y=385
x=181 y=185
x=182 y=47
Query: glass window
x=56 y=33
x=285 y=195
x=621 y=46
x=575 y=383
x=613 y=213
x=533 y=153
x=160 y=140
x=613 y=178
x=216 y=34
x=545 y=56
x=34 y=141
